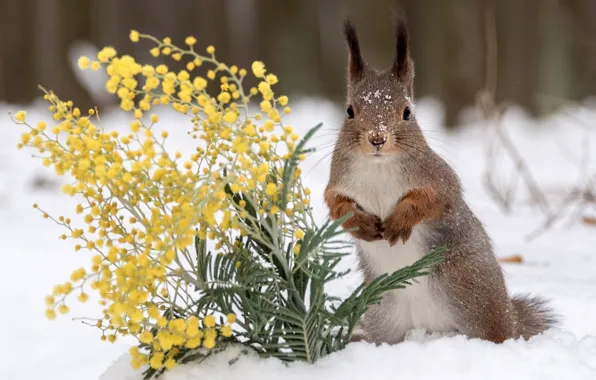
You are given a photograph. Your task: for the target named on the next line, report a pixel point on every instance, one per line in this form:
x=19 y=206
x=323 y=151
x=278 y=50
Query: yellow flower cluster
x=142 y=206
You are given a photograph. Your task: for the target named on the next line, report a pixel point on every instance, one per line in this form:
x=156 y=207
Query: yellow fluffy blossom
x=84 y=63
x=226 y=330
x=258 y=69
x=134 y=36
x=271 y=189
x=106 y=54
x=271 y=79
x=190 y=41
x=20 y=116
x=283 y=100
x=209 y=321
x=50 y=314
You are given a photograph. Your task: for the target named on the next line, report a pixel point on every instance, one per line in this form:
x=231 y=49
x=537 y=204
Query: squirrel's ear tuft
x=355 y=61
x=402 y=63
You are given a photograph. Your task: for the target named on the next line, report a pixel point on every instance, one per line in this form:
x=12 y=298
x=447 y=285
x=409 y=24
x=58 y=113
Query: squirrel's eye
x=406 y=115
x=350 y=112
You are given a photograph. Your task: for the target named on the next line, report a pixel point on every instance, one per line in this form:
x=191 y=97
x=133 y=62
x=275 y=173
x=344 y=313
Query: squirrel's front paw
x=417 y=206
x=398 y=226
x=369 y=226
x=394 y=231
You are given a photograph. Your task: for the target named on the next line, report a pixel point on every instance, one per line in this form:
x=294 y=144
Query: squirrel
x=406 y=200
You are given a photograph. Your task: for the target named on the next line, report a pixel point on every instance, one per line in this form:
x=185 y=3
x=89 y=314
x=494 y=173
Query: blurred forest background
x=545 y=48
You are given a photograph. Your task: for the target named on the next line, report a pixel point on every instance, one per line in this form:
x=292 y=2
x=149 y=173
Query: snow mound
x=553 y=355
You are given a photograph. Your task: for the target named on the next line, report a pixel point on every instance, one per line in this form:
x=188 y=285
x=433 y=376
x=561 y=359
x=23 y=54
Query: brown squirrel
x=406 y=200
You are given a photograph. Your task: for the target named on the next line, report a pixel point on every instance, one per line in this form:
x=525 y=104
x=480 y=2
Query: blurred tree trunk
x=158 y=23
x=579 y=16
x=17 y=80
x=587 y=40
x=332 y=47
x=461 y=57
x=282 y=45
x=554 y=60
x=242 y=22
x=58 y=24
x=209 y=22
x=451 y=89
x=320 y=83
x=422 y=22
x=113 y=20
x=519 y=47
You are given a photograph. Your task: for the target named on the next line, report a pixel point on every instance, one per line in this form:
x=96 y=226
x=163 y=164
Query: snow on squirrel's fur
x=560 y=265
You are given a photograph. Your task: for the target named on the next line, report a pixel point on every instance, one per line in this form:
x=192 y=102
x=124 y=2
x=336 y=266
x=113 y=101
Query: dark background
x=544 y=48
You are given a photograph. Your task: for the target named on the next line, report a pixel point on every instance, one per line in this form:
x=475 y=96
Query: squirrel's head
x=380 y=121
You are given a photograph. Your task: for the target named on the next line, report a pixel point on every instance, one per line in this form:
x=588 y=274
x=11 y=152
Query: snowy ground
x=560 y=265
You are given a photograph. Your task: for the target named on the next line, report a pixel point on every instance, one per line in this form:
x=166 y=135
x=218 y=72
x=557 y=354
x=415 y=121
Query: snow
x=560 y=265
x=552 y=356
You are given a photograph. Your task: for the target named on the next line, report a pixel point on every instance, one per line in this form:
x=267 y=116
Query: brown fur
x=485 y=310
x=362 y=225
x=469 y=284
x=421 y=204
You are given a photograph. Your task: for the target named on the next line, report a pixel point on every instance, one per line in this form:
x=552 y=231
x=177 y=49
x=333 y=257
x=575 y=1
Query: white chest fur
x=377 y=187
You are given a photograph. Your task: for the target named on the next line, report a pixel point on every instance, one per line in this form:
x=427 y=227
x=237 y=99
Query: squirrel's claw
x=393 y=232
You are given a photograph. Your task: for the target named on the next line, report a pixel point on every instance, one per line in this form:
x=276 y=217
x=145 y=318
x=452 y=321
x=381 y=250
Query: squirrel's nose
x=377 y=138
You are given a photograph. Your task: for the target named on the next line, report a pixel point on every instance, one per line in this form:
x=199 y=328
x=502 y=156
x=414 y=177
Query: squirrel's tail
x=533 y=315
